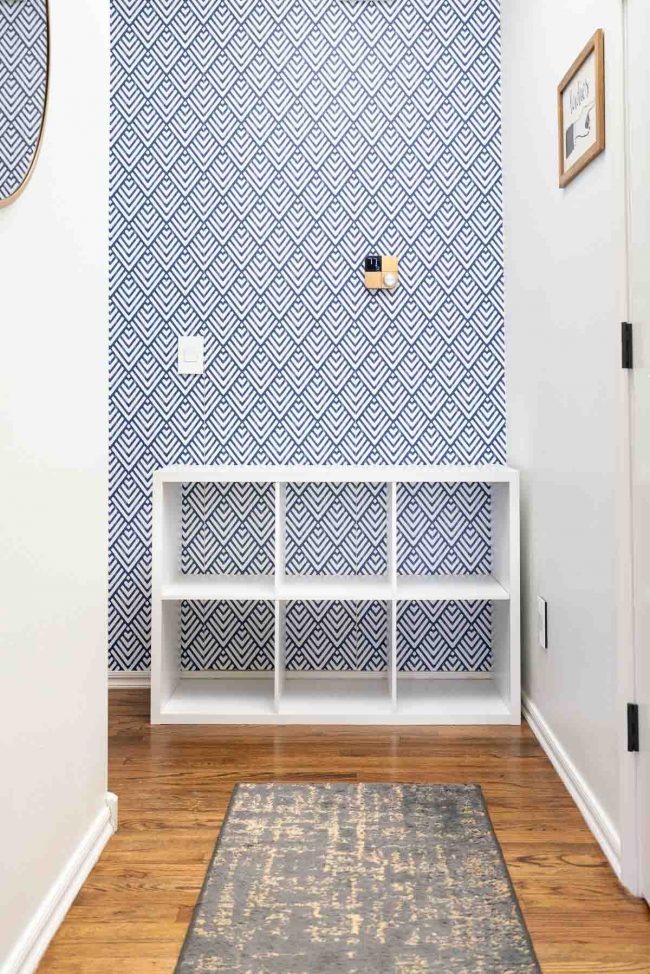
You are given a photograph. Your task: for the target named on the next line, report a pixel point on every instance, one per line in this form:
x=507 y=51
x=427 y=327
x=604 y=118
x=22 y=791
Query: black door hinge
x=627 y=357
x=633 y=727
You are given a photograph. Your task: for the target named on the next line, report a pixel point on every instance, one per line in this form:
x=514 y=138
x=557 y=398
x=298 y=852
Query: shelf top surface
x=335 y=473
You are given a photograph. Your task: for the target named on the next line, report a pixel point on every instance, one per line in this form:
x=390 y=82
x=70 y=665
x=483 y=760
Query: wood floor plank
x=174 y=784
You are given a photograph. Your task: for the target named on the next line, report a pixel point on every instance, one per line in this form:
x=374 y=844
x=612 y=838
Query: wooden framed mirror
x=24 y=72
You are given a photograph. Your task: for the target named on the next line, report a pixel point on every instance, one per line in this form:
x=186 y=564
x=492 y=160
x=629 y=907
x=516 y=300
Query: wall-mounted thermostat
x=381 y=272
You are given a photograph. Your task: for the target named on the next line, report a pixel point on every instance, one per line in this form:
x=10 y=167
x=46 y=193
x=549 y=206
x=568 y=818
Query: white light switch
x=190 y=355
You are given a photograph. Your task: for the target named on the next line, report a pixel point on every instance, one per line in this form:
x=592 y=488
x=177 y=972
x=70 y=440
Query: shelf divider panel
x=280 y=606
x=391 y=527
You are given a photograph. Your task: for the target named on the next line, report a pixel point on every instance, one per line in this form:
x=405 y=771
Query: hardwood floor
x=174 y=783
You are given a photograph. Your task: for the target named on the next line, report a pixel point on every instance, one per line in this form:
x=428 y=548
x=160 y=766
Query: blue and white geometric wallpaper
x=228 y=529
x=331 y=636
x=448 y=637
x=336 y=636
x=227 y=636
x=336 y=529
x=444 y=529
x=258 y=152
x=23 y=80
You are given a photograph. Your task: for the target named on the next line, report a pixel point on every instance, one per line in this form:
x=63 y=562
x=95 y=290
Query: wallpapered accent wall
x=258 y=152
x=23 y=77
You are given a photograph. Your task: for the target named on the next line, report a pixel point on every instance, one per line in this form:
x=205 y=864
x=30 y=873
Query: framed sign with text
x=581 y=110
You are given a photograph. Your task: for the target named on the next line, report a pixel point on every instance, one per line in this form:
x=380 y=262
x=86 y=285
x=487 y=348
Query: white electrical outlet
x=190 y=355
x=542 y=622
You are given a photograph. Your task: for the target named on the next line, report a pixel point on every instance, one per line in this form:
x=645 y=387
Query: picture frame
x=581 y=110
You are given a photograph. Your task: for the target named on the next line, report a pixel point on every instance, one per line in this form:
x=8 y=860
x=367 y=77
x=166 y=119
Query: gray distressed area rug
x=357 y=879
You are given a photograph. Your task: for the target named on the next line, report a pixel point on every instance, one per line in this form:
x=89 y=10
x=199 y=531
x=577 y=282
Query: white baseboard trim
x=112 y=805
x=589 y=807
x=33 y=942
x=129 y=680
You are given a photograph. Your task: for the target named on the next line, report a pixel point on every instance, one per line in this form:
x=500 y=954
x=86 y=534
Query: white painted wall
x=53 y=481
x=564 y=304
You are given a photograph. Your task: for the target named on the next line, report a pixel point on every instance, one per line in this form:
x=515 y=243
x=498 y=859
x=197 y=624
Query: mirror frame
x=8 y=200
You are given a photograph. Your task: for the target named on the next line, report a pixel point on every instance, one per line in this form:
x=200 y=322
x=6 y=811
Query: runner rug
x=357 y=879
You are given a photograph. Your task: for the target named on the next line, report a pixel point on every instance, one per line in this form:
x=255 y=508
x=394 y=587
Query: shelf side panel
x=165 y=620
x=167 y=666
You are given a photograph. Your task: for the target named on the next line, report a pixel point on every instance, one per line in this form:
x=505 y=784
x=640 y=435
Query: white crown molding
x=589 y=807
x=35 y=938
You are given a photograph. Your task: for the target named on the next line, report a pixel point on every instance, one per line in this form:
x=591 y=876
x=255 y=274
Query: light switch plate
x=190 y=355
x=542 y=622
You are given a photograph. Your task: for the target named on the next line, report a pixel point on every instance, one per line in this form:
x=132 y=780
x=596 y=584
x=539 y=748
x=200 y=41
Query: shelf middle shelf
x=430 y=588
x=334 y=588
x=214 y=588
x=450 y=588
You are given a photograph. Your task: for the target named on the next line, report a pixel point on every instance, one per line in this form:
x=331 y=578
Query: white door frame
x=631 y=819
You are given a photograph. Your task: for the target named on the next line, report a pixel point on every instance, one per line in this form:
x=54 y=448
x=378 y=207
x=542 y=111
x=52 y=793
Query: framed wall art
x=581 y=110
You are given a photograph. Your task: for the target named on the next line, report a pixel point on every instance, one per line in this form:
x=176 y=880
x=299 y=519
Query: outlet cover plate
x=542 y=622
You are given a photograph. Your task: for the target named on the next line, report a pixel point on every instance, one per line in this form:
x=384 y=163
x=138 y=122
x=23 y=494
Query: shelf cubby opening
x=220 y=700
x=219 y=541
x=218 y=658
x=462 y=663
x=452 y=540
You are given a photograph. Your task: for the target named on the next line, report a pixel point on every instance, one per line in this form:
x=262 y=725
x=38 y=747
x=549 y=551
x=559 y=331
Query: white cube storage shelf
x=284 y=696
